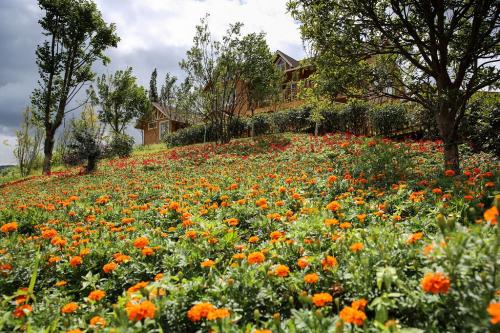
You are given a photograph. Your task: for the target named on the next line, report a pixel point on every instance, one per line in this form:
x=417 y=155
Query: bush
x=121 y=145
x=387 y=119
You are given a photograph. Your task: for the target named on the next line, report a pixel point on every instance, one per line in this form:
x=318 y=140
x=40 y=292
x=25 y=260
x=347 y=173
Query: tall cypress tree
x=153 y=90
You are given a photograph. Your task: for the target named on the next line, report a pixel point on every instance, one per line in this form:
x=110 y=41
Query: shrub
x=388 y=118
x=121 y=145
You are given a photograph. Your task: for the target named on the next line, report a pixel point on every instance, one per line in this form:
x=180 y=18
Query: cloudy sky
x=154 y=33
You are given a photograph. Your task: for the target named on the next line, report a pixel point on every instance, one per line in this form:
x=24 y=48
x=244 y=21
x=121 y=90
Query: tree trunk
x=48 y=150
x=448 y=130
x=91 y=164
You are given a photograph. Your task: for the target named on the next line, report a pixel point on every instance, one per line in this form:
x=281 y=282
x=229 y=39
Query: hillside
x=288 y=234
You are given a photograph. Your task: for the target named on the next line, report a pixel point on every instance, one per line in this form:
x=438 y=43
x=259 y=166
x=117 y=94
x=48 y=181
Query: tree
x=29 y=140
x=153 y=90
x=168 y=94
x=86 y=140
x=120 y=99
x=434 y=53
x=261 y=78
x=77 y=36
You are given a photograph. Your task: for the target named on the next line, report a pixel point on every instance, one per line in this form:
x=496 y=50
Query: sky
x=154 y=34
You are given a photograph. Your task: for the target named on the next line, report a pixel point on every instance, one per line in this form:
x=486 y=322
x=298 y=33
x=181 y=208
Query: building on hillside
x=160 y=122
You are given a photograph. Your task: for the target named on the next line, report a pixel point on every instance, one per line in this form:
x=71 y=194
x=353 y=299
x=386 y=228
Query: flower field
x=286 y=234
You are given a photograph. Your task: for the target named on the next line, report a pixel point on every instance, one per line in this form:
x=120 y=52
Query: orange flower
x=329 y=262
x=75 y=261
x=147 y=251
x=22 y=311
x=322 y=299
x=360 y=304
x=199 y=311
x=69 y=308
x=138 y=286
x=218 y=314
x=232 y=221
x=256 y=257
x=138 y=311
x=97 y=321
x=108 y=268
x=449 y=173
x=333 y=206
x=253 y=239
x=302 y=262
x=414 y=238
x=281 y=271
x=97 y=295
x=207 y=263
x=352 y=316
x=494 y=312
x=436 y=283
x=60 y=283
x=311 y=278
x=49 y=233
x=8 y=227
x=491 y=215
x=141 y=242
x=356 y=247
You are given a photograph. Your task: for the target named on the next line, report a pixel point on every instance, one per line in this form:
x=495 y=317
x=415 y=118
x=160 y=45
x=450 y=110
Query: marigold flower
x=256 y=257
x=302 y=262
x=414 y=237
x=333 y=206
x=491 y=215
x=218 y=314
x=436 y=283
x=356 y=247
x=138 y=286
x=98 y=321
x=75 y=261
x=253 y=239
x=329 y=262
x=138 y=311
x=69 y=308
x=9 y=227
x=352 y=316
x=281 y=271
x=141 y=242
x=22 y=310
x=108 y=268
x=494 y=312
x=49 y=233
x=232 y=221
x=311 y=278
x=199 y=311
x=147 y=251
x=359 y=304
x=449 y=173
x=322 y=299
x=207 y=263
x=97 y=295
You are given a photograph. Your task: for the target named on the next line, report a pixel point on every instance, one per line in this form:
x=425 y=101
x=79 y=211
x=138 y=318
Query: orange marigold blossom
x=9 y=227
x=199 y=311
x=302 y=262
x=75 y=261
x=322 y=299
x=436 y=283
x=207 y=263
x=97 y=321
x=491 y=215
x=22 y=310
x=352 y=316
x=414 y=237
x=256 y=257
x=311 y=278
x=329 y=262
x=356 y=247
x=141 y=242
x=138 y=286
x=137 y=311
x=494 y=312
x=218 y=314
x=97 y=295
x=333 y=206
x=281 y=271
x=108 y=268
x=69 y=308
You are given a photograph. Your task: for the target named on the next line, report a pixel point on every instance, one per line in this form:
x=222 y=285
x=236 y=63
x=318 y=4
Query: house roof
x=291 y=61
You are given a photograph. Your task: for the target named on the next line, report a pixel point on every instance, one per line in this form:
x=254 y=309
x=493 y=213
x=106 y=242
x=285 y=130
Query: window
x=281 y=65
x=164 y=128
x=151 y=125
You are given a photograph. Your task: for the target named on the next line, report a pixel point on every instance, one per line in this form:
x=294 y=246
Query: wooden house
x=160 y=122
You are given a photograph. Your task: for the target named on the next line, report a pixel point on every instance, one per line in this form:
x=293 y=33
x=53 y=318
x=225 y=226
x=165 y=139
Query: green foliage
x=29 y=139
x=388 y=119
x=120 y=145
x=120 y=99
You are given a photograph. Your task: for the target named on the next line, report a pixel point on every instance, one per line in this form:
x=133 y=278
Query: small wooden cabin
x=161 y=121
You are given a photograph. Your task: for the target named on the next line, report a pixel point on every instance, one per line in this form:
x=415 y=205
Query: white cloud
x=145 y=24
x=7 y=144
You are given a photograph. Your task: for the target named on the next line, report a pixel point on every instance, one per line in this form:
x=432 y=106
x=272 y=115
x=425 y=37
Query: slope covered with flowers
x=286 y=234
